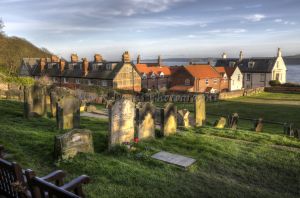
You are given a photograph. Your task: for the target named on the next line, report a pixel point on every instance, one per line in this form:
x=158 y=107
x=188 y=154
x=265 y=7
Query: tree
x=1 y=27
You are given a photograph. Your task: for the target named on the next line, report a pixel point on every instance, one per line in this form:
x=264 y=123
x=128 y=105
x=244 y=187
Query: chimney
x=98 y=58
x=224 y=56
x=241 y=56
x=279 y=54
x=62 y=64
x=74 y=58
x=159 y=60
x=43 y=64
x=85 y=66
x=138 y=60
x=54 y=59
x=126 y=57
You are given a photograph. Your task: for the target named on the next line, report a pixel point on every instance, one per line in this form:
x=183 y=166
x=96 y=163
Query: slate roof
x=261 y=65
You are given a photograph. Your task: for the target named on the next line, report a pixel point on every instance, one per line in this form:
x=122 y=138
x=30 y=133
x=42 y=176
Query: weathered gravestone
x=55 y=95
x=179 y=160
x=68 y=113
x=200 y=113
x=168 y=119
x=221 y=123
x=233 y=121
x=258 y=125
x=183 y=118
x=35 y=101
x=288 y=128
x=70 y=144
x=145 y=119
x=121 y=122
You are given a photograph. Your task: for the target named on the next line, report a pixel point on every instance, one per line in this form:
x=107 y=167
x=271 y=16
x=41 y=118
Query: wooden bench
x=16 y=183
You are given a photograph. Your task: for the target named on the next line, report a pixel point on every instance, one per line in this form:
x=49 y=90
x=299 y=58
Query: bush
x=144 y=90
x=23 y=81
x=291 y=85
x=274 y=83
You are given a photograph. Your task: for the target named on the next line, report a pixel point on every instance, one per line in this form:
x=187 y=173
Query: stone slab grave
x=68 y=113
x=221 y=123
x=175 y=159
x=121 y=122
x=183 y=118
x=35 y=101
x=168 y=119
x=200 y=113
x=258 y=125
x=145 y=119
x=70 y=144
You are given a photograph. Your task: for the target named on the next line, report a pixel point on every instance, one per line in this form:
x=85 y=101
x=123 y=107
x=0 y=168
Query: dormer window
x=144 y=76
x=77 y=81
x=161 y=74
x=231 y=64
x=251 y=64
x=153 y=75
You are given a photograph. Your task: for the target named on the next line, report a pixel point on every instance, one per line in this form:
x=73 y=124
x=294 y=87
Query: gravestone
x=121 y=122
x=183 y=118
x=288 y=128
x=55 y=95
x=70 y=144
x=35 y=101
x=145 y=119
x=175 y=159
x=233 y=121
x=68 y=113
x=91 y=108
x=199 y=107
x=168 y=119
x=109 y=103
x=258 y=125
x=221 y=123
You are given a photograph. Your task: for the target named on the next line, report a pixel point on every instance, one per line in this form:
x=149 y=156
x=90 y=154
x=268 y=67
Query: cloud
x=255 y=17
x=285 y=22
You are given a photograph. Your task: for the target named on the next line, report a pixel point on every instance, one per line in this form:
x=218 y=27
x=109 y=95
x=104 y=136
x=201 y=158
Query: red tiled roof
x=202 y=71
x=228 y=70
x=143 y=68
x=181 y=88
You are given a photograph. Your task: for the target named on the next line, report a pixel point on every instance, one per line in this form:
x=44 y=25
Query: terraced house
x=257 y=72
x=117 y=75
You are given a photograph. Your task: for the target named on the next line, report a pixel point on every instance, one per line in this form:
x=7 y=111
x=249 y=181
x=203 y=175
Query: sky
x=170 y=28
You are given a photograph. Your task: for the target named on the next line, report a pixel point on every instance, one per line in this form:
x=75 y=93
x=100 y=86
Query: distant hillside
x=292 y=60
x=13 y=49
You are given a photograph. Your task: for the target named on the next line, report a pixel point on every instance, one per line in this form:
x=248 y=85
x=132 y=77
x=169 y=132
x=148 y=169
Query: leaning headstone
x=169 y=119
x=145 y=119
x=35 y=101
x=258 y=125
x=68 y=113
x=221 y=123
x=199 y=106
x=121 y=122
x=183 y=118
x=233 y=121
x=70 y=144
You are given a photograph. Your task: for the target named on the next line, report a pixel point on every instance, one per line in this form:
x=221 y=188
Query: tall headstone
x=200 y=113
x=68 y=112
x=145 y=119
x=221 y=123
x=169 y=119
x=233 y=121
x=70 y=144
x=258 y=125
x=35 y=101
x=121 y=122
x=183 y=118
x=55 y=95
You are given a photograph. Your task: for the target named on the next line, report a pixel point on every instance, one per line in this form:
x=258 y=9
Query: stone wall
x=283 y=89
x=239 y=93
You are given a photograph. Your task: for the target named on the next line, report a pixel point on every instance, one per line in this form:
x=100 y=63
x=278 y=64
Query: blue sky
x=171 y=28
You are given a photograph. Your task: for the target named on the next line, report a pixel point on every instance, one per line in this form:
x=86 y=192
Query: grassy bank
x=229 y=163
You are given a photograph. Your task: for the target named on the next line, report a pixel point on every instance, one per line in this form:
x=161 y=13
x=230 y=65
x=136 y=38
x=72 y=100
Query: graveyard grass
x=229 y=163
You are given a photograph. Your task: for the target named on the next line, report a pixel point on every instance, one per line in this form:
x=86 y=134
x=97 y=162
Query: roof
x=143 y=68
x=228 y=70
x=202 y=71
x=260 y=65
x=181 y=88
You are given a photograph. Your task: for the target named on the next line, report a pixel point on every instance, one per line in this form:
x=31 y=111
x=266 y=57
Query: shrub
x=274 y=83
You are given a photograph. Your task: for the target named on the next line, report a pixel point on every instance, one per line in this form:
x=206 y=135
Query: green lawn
x=229 y=163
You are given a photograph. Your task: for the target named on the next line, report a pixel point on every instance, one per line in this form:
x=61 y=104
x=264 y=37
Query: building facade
x=232 y=78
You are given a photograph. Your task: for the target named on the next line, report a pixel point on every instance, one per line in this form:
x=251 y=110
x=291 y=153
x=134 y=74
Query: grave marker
x=258 y=125
x=35 y=101
x=145 y=119
x=221 y=123
x=169 y=119
x=183 y=118
x=199 y=106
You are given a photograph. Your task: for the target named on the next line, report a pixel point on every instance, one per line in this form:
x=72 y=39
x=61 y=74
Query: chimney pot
x=62 y=64
x=43 y=64
x=74 y=58
x=85 y=66
x=98 y=58
x=126 y=57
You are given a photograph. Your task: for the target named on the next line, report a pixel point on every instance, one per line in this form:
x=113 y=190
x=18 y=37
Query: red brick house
x=198 y=78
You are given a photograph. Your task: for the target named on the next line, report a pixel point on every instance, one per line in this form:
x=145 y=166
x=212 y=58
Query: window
x=215 y=81
x=248 y=77
x=187 y=82
x=104 y=83
x=161 y=74
x=239 y=77
x=153 y=75
x=251 y=64
x=231 y=64
x=90 y=82
x=77 y=81
x=144 y=76
x=65 y=80
x=54 y=79
x=262 y=78
x=206 y=81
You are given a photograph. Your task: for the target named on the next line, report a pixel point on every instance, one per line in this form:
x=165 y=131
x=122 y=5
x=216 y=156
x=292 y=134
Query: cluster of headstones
x=128 y=121
x=290 y=130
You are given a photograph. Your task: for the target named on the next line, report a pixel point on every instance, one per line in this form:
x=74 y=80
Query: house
x=116 y=75
x=257 y=72
x=232 y=78
x=198 y=78
x=155 y=76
